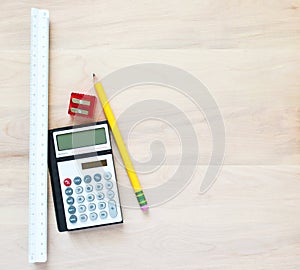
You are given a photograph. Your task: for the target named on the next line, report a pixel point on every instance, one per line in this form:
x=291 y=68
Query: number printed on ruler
x=38 y=135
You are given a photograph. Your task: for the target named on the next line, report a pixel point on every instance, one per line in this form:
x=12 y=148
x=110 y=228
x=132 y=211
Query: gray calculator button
x=101 y=205
x=110 y=194
x=112 y=208
x=108 y=185
x=77 y=180
x=89 y=188
x=79 y=190
x=81 y=208
x=72 y=210
x=93 y=216
x=103 y=214
x=70 y=200
x=83 y=217
x=107 y=175
x=73 y=219
x=87 y=179
x=100 y=196
x=92 y=206
x=99 y=186
x=69 y=191
x=97 y=177
x=90 y=197
x=80 y=199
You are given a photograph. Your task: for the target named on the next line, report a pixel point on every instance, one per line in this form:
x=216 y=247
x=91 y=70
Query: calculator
x=83 y=178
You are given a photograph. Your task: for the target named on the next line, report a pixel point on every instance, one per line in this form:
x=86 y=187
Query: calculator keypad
x=91 y=196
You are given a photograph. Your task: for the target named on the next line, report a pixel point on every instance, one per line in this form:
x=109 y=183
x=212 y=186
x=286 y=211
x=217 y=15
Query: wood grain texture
x=245 y=52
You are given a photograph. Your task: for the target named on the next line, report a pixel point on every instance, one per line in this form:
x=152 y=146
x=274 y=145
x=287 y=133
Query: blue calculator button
x=92 y=207
x=69 y=191
x=99 y=186
x=70 y=200
x=108 y=185
x=107 y=175
x=73 y=219
x=83 y=217
x=101 y=205
x=97 y=177
x=93 y=216
x=87 y=179
x=112 y=208
x=103 y=214
x=81 y=208
x=72 y=210
x=79 y=190
x=100 y=196
x=77 y=180
x=90 y=197
x=110 y=194
x=80 y=199
x=89 y=188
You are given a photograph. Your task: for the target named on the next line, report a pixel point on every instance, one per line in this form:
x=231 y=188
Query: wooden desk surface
x=248 y=55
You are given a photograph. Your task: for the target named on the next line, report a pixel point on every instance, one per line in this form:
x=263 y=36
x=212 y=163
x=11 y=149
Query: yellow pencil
x=121 y=145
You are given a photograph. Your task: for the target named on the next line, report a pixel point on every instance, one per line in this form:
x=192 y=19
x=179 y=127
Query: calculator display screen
x=80 y=139
x=94 y=164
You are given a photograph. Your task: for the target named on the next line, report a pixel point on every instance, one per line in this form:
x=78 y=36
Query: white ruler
x=38 y=148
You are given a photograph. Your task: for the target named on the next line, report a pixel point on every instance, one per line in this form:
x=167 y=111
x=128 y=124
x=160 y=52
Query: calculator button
x=73 y=219
x=90 y=197
x=112 y=208
x=87 y=179
x=80 y=199
x=99 y=186
x=69 y=191
x=89 y=188
x=107 y=175
x=83 y=217
x=81 y=208
x=79 y=190
x=110 y=194
x=72 y=210
x=101 y=205
x=109 y=185
x=103 y=214
x=77 y=180
x=67 y=182
x=92 y=206
x=100 y=196
x=93 y=216
x=97 y=177
x=70 y=200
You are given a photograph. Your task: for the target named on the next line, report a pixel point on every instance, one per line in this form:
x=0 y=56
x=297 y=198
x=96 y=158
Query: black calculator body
x=83 y=178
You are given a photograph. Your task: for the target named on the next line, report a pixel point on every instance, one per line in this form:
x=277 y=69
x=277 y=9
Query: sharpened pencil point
x=95 y=79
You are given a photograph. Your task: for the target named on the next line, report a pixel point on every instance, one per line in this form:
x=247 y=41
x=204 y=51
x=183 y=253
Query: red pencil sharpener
x=82 y=105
